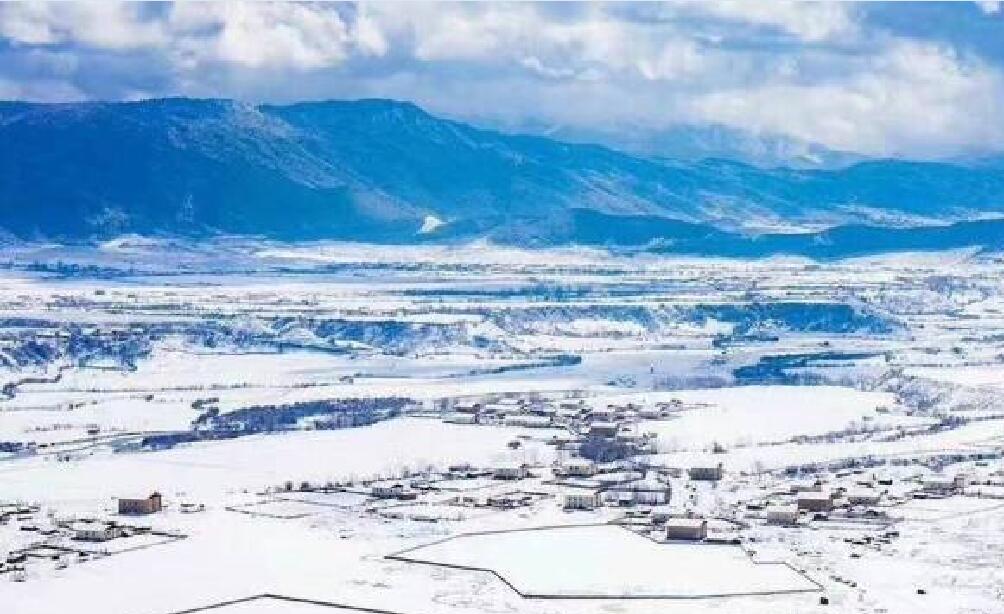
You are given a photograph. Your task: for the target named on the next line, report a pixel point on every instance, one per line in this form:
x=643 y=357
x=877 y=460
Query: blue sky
x=919 y=80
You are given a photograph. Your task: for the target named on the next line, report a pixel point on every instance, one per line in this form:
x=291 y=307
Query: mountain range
x=387 y=171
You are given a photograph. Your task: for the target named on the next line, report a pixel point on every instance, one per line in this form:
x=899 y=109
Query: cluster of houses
x=857 y=494
x=41 y=536
x=539 y=412
x=97 y=531
x=17 y=511
x=622 y=484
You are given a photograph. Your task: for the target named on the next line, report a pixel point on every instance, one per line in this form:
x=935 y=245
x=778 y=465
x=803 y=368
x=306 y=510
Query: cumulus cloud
x=912 y=99
x=107 y=25
x=808 y=21
x=989 y=7
x=814 y=71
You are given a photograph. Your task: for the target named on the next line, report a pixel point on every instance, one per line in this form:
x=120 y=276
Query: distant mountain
x=378 y=170
x=695 y=143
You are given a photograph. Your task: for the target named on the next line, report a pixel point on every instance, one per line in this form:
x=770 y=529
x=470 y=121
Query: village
x=603 y=472
x=770 y=436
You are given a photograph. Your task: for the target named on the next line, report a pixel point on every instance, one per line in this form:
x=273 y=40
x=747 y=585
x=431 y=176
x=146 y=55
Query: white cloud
x=810 y=70
x=108 y=25
x=990 y=7
x=913 y=98
x=808 y=21
x=262 y=35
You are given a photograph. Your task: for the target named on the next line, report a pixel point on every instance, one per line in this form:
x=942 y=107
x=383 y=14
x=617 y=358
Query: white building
x=527 y=421
x=467 y=408
x=578 y=467
x=784 y=515
x=938 y=484
x=510 y=471
x=603 y=429
x=461 y=418
x=580 y=500
x=392 y=491
x=94 y=531
x=647 y=491
x=650 y=412
x=863 y=496
x=602 y=414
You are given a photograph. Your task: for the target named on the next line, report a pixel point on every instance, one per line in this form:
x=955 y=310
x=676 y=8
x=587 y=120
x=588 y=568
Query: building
x=603 y=414
x=647 y=491
x=510 y=471
x=650 y=412
x=527 y=421
x=148 y=505
x=938 y=484
x=94 y=531
x=392 y=491
x=710 y=473
x=575 y=408
x=508 y=501
x=815 y=501
x=578 y=467
x=467 y=408
x=805 y=486
x=863 y=496
x=606 y=430
x=784 y=515
x=580 y=500
x=461 y=418
x=691 y=529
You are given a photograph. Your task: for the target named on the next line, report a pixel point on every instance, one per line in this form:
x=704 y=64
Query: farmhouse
x=602 y=414
x=574 y=408
x=863 y=496
x=578 y=467
x=95 y=531
x=686 y=528
x=938 y=484
x=148 y=505
x=603 y=429
x=527 y=421
x=467 y=408
x=783 y=515
x=805 y=486
x=510 y=471
x=461 y=418
x=392 y=491
x=647 y=491
x=710 y=473
x=580 y=500
x=815 y=501
x=650 y=412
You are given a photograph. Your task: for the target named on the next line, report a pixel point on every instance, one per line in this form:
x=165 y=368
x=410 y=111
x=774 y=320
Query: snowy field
x=608 y=561
x=873 y=375
x=271 y=605
x=210 y=470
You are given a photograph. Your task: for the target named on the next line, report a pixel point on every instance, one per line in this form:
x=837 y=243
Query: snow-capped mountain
x=378 y=170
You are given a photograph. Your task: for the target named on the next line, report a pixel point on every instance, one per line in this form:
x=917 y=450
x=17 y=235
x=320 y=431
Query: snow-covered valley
x=309 y=415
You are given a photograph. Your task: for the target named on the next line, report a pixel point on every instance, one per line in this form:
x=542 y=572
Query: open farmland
x=342 y=426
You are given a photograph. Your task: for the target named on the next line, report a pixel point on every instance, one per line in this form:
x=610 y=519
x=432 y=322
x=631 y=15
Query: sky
x=899 y=79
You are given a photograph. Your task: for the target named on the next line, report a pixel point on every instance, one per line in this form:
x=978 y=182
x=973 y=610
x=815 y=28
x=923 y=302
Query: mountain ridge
x=378 y=170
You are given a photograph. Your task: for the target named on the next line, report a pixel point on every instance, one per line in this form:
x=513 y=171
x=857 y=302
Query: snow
x=209 y=470
x=944 y=361
x=609 y=561
x=751 y=414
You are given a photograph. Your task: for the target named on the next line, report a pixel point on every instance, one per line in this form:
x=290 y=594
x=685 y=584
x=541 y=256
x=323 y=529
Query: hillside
x=377 y=170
